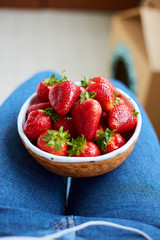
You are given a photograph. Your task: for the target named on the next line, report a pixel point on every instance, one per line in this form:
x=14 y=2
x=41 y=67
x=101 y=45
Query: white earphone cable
x=79 y=227
x=92 y=223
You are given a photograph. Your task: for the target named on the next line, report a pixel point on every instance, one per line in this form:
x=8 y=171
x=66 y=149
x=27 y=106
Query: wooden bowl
x=79 y=166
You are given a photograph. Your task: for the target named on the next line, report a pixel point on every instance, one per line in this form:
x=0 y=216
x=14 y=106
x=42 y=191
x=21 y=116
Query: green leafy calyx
x=52 y=80
x=86 y=95
x=57 y=138
x=116 y=99
x=135 y=113
x=54 y=116
x=103 y=139
x=84 y=83
x=64 y=78
x=77 y=145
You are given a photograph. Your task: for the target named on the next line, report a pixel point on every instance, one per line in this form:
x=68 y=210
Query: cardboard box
x=134 y=56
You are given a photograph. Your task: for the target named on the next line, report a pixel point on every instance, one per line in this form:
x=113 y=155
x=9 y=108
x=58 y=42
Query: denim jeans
x=33 y=200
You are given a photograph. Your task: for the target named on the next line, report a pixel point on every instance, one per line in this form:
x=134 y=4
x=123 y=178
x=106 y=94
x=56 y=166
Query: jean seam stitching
x=64 y=223
x=59 y=225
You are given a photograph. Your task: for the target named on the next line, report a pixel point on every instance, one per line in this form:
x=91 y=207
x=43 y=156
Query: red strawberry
x=67 y=124
x=104 y=95
x=50 y=112
x=36 y=123
x=109 y=141
x=121 y=101
x=116 y=141
x=105 y=80
x=81 y=148
x=54 y=142
x=44 y=87
x=118 y=100
x=37 y=106
x=81 y=90
x=62 y=96
x=86 y=115
x=101 y=128
x=87 y=82
x=121 y=118
x=104 y=118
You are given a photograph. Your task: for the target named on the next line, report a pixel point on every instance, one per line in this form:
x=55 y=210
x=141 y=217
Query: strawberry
x=121 y=101
x=121 y=118
x=87 y=82
x=116 y=141
x=67 y=124
x=86 y=115
x=54 y=142
x=49 y=111
x=104 y=95
x=36 y=123
x=109 y=141
x=81 y=90
x=118 y=100
x=37 y=106
x=104 y=118
x=62 y=96
x=101 y=128
x=44 y=87
x=82 y=148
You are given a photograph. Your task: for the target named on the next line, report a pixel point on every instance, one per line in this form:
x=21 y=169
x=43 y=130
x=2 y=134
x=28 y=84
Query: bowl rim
x=66 y=159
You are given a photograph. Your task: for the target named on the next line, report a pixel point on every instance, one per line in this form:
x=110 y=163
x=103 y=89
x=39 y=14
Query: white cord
x=91 y=223
x=79 y=227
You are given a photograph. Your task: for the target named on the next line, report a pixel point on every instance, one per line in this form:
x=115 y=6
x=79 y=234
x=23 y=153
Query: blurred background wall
x=83 y=37
x=37 y=40
x=38 y=35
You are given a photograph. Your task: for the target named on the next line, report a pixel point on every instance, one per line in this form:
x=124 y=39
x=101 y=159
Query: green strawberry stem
x=77 y=145
x=64 y=78
x=135 y=113
x=103 y=139
x=53 y=80
x=49 y=112
x=86 y=95
x=84 y=83
x=57 y=138
x=116 y=99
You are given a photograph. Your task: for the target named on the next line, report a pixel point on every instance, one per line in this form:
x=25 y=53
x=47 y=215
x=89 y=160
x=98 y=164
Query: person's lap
x=31 y=193
x=24 y=183
x=132 y=191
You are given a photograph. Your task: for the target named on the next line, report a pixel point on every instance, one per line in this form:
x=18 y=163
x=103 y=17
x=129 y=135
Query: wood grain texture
x=82 y=169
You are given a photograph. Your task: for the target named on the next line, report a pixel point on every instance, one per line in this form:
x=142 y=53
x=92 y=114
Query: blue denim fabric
x=24 y=183
x=32 y=200
x=132 y=191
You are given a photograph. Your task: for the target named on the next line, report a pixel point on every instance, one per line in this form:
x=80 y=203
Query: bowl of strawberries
x=79 y=129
